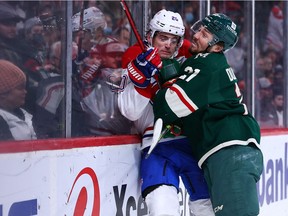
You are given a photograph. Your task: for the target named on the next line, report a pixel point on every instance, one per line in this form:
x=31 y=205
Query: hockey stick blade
x=158 y=134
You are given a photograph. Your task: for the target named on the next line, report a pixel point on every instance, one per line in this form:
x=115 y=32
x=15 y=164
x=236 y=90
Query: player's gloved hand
x=169 y=73
x=174 y=131
x=144 y=67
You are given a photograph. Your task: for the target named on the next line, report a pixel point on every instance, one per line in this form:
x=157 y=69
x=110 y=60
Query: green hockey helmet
x=223 y=30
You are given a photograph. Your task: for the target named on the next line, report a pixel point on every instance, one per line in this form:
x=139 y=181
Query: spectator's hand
x=144 y=67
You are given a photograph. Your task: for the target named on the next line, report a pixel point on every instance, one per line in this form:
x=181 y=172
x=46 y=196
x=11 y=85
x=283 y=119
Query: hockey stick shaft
x=132 y=24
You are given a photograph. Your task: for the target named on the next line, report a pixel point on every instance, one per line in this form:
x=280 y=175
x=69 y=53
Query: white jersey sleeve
x=130 y=102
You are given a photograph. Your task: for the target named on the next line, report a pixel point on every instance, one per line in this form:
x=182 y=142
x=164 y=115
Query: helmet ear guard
x=149 y=38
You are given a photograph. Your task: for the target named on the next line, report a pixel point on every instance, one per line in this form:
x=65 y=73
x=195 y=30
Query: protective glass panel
x=33 y=38
x=269 y=71
x=30 y=38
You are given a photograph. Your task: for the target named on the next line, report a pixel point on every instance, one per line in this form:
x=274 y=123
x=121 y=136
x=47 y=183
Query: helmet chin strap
x=206 y=50
x=210 y=46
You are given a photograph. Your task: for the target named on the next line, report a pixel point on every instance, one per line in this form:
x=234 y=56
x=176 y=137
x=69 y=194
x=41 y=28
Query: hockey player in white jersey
x=171 y=159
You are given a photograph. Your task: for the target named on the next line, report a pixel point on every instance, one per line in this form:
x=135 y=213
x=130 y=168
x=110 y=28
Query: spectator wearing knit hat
x=15 y=122
x=34 y=59
x=34 y=38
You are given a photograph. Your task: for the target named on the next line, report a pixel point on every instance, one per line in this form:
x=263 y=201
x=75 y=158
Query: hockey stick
x=157 y=132
x=157 y=135
x=132 y=24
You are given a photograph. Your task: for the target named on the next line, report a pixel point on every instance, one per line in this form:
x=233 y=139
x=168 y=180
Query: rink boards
x=99 y=176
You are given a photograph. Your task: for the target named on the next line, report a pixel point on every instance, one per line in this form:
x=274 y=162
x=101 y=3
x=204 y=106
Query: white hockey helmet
x=169 y=22
x=93 y=18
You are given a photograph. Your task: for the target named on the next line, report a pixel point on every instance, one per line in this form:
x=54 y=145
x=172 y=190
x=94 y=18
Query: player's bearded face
x=200 y=40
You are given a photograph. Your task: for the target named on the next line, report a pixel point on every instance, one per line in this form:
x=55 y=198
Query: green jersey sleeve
x=207 y=79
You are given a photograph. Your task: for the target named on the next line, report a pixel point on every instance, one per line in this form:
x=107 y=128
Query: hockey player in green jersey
x=207 y=103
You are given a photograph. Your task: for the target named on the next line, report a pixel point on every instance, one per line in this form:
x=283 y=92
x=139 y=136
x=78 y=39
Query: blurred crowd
x=269 y=73
x=32 y=38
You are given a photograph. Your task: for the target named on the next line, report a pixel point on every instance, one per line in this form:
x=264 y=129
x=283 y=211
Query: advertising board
x=101 y=178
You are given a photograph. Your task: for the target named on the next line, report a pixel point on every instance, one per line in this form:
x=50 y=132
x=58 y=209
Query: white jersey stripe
x=179 y=102
x=246 y=109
